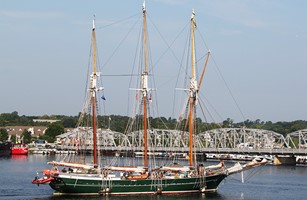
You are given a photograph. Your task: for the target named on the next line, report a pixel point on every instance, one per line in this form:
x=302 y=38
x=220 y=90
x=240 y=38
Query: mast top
x=94 y=23
x=144 y=7
x=193 y=14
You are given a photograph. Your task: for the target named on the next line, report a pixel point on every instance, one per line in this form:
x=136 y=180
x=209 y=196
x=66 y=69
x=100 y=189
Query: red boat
x=43 y=180
x=20 y=149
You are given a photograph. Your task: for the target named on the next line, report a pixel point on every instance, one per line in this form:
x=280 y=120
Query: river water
x=266 y=182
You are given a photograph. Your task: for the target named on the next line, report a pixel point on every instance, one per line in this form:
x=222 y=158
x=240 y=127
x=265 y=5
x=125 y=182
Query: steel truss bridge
x=222 y=140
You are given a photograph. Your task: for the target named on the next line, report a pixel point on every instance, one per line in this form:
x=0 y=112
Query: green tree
x=13 y=139
x=9 y=118
x=3 y=135
x=298 y=125
x=69 y=122
x=228 y=123
x=26 y=136
x=53 y=130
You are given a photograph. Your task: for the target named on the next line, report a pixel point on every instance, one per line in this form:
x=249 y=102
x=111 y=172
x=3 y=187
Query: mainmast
x=145 y=87
x=193 y=88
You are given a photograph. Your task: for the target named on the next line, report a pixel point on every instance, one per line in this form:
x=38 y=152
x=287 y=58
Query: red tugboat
x=19 y=149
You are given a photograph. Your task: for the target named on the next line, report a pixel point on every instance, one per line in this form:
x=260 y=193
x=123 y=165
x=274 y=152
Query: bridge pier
x=284 y=160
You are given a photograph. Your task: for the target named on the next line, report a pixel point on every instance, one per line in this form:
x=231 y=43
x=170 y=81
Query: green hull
x=82 y=185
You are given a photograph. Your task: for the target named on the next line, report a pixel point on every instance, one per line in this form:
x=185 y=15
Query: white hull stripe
x=134 y=193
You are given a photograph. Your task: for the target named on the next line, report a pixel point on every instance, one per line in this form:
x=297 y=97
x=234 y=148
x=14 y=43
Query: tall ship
x=146 y=177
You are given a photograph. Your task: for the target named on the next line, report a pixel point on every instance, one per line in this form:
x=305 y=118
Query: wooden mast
x=93 y=90
x=193 y=89
x=145 y=87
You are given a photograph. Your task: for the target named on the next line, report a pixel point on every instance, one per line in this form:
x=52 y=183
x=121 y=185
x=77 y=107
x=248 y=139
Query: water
x=266 y=182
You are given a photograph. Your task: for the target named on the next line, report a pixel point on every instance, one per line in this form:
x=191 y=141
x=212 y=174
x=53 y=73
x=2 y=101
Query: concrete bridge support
x=284 y=160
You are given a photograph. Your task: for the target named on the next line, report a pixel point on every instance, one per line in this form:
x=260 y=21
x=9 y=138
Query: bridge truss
x=297 y=139
x=161 y=138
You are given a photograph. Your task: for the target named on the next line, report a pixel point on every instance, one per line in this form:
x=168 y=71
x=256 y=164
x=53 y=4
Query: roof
x=35 y=130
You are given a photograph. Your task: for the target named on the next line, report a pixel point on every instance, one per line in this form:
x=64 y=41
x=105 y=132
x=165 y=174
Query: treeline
x=119 y=123
x=279 y=127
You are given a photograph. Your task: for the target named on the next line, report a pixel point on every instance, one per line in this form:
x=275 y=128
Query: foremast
x=194 y=87
x=93 y=91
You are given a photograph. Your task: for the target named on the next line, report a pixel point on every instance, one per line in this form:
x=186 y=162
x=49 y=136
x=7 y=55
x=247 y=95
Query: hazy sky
x=260 y=47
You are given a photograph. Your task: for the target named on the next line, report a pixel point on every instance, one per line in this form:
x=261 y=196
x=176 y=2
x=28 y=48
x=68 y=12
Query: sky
x=257 y=70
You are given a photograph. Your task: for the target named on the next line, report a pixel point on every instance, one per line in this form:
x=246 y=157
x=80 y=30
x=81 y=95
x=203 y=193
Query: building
x=35 y=131
x=46 y=120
